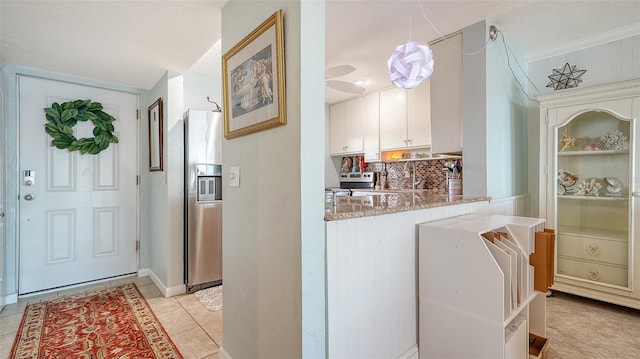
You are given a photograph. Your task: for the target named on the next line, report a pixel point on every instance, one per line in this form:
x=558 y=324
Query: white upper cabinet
x=347 y=127
x=419 y=116
x=405 y=118
x=446 y=94
x=393 y=119
x=372 y=127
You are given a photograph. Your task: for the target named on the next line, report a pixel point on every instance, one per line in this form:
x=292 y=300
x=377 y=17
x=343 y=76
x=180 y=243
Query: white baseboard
x=222 y=354
x=166 y=291
x=144 y=272
x=11 y=299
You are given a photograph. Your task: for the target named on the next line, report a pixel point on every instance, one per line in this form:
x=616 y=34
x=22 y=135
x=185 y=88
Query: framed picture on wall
x=253 y=80
x=155 y=136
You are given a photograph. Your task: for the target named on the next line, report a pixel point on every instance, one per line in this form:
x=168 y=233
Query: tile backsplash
x=429 y=173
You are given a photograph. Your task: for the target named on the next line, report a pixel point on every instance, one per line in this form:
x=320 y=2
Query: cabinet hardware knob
x=594 y=274
x=593 y=249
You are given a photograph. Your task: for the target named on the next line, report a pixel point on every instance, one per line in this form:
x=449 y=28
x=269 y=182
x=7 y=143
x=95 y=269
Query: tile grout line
x=194 y=319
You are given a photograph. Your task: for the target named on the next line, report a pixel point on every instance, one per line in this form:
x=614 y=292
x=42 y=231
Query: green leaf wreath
x=62 y=117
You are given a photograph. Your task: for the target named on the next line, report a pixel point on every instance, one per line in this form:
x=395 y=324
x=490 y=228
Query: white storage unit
x=589 y=188
x=476 y=297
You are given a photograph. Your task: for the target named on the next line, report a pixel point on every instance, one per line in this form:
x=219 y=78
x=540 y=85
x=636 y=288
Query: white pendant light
x=410 y=64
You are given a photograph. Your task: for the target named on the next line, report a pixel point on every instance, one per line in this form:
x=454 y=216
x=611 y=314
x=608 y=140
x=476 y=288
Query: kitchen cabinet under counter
x=372 y=269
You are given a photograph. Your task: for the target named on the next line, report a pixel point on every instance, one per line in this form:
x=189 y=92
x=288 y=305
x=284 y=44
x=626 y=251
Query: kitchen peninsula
x=373 y=203
x=371 y=244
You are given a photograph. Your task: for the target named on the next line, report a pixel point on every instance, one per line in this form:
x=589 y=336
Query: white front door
x=78 y=217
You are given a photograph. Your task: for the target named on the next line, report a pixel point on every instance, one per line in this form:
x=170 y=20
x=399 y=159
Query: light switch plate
x=234 y=176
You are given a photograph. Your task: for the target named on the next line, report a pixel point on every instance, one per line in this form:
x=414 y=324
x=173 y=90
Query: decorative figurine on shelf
x=614 y=140
x=590 y=188
x=566 y=180
x=591 y=146
x=567 y=142
x=613 y=186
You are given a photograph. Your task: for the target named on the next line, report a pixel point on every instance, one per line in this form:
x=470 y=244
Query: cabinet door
x=354 y=125
x=446 y=96
x=372 y=127
x=594 y=171
x=419 y=116
x=338 y=143
x=393 y=119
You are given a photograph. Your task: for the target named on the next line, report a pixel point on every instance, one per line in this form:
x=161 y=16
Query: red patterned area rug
x=109 y=323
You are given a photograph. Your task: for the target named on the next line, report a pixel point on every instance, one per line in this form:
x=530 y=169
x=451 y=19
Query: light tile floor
x=196 y=331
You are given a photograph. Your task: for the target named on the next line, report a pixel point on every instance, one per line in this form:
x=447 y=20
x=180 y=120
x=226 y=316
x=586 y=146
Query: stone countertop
x=391 y=201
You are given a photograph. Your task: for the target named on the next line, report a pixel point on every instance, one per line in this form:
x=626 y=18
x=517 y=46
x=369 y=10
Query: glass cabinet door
x=593 y=168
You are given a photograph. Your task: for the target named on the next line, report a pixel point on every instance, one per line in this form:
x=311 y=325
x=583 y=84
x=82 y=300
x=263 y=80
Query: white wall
x=312 y=137
x=162 y=192
x=494 y=118
x=273 y=228
x=474 y=113
x=153 y=191
x=506 y=119
x=174 y=169
x=197 y=88
x=3 y=151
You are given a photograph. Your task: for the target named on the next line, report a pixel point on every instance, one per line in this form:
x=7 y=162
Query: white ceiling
x=364 y=33
x=133 y=43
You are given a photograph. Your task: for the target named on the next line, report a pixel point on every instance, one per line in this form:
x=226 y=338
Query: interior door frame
x=2 y=201
x=10 y=75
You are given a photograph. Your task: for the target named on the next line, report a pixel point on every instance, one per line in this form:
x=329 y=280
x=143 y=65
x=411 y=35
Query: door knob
x=636 y=194
x=29 y=197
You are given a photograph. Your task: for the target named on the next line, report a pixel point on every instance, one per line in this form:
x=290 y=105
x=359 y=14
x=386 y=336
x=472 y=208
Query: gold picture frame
x=155 y=135
x=253 y=80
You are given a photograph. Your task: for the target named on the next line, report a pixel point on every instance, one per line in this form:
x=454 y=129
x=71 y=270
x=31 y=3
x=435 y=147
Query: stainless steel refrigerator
x=203 y=199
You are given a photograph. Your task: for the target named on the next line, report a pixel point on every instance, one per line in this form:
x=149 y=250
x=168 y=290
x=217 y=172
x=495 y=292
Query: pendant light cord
x=410 y=20
x=444 y=38
x=507 y=49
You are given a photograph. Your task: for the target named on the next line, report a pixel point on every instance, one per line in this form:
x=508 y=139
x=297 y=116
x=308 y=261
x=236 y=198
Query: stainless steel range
x=357 y=180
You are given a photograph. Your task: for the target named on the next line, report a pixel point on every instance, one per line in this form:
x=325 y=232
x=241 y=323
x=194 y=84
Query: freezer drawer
x=204 y=246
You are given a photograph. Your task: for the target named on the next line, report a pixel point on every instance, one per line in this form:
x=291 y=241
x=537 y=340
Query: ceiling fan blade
x=345 y=86
x=337 y=71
